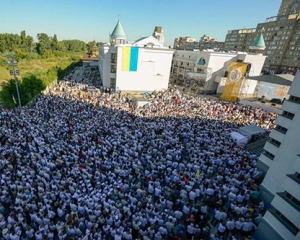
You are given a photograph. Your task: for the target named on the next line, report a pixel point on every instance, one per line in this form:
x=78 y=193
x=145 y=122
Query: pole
x=17 y=87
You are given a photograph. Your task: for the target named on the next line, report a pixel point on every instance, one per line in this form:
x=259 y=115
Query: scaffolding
x=244 y=90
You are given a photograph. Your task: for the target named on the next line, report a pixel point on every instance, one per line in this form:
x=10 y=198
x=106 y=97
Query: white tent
x=240 y=139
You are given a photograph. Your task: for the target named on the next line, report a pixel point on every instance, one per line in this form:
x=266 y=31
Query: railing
x=256 y=144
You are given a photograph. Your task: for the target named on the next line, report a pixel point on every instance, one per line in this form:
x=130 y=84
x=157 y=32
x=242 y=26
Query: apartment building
x=186 y=43
x=280 y=160
x=206 y=42
x=281 y=34
x=288 y=7
x=240 y=39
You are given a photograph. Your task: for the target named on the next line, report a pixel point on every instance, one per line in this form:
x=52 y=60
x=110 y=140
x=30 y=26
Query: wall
x=217 y=62
x=270 y=90
x=104 y=64
x=152 y=73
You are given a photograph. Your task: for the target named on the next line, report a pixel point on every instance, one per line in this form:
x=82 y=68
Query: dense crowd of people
x=80 y=164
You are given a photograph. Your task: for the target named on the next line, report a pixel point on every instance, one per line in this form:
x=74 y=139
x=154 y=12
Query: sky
x=94 y=19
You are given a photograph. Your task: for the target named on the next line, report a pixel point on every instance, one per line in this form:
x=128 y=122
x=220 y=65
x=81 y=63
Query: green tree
x=29 y=88
x=54 y=43
x=8 y=94
x=23 y=38
x=44 y=44
x=29 y=44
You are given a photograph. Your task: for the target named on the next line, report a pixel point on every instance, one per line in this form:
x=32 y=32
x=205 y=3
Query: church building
x=143 y=65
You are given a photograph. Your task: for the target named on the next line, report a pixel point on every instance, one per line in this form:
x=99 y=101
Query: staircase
x=257 y=147
x=257 y=150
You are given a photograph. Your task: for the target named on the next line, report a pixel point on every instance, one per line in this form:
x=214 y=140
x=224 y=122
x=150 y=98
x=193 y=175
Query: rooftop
x=118 y=31
x=259 y=42
x=280 y=79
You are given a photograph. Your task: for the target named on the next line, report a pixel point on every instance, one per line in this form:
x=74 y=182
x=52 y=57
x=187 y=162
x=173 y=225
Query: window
x=268 y=154
x=287 y=223
x=290 y=199
x=112 y=83
x=274 y=142
x=113 y=57
x=288 y=115
x=294 y=99
x=295 y=176
x=113 y=68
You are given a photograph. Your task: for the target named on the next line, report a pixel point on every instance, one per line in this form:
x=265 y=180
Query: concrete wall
x=266 y=232
x=270 y=90
x=217 y=62
x=104 y=65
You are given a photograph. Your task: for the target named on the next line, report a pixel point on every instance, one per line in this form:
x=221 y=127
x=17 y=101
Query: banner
x=234 y=81
x=130 y=58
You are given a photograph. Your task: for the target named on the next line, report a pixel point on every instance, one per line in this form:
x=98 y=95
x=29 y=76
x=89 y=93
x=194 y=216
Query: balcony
x=266 y=160
x=290 y=106
x=274 y=142
x=270 y=148
x=283 y=121
x=274 y=219
x=277 y=134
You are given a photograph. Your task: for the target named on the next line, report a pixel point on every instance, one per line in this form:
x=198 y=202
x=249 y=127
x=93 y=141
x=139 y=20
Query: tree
x=54 y=43
x=29 y=44
x=29 y=88
x=8 y=94
x=23 y=38
x=44 y=43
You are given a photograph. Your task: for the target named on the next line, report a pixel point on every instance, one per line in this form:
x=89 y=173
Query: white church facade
x=141 y=66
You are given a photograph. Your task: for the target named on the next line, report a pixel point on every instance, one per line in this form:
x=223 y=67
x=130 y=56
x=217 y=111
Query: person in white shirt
x=29 y=232
x=229 y=226
x=38 y=235
x=221 y=229
x=190 y=231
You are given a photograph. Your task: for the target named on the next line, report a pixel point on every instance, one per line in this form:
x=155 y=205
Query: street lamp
x=12 y=62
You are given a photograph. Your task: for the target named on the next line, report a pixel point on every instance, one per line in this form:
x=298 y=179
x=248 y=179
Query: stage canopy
x=251 y=130
x=280 y=79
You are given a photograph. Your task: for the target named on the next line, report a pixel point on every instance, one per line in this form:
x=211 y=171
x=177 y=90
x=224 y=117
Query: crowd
x=86 y=165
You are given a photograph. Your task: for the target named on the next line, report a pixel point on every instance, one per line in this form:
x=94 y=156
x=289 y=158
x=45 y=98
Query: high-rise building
x=288 y=7
x=281 y=34
x=159 y=34
x=186 y=43
x=239 y=39
x=280 y=160
x=206 y=42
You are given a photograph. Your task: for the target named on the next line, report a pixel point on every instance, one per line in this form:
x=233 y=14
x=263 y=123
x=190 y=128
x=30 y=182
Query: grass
x=34 y=65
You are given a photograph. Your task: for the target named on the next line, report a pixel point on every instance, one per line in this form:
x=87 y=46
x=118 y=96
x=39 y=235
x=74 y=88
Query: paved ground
x=262 y=106
x=256 y=104
x=77 y=76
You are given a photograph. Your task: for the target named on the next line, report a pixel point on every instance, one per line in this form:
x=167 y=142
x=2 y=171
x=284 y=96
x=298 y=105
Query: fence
x=50 y=86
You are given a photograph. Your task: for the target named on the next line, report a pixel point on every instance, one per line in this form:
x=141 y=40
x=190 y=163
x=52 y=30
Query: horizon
x=94 y=21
